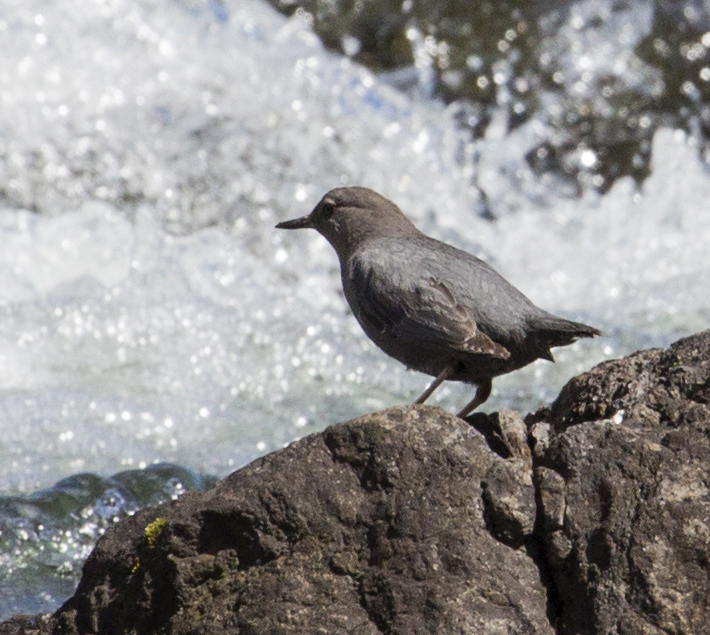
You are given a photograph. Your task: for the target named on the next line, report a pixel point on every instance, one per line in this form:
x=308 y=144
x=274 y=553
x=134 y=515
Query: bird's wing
x=425 y=311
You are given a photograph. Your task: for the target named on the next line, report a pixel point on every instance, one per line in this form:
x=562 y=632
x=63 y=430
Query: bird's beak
x=296 y=223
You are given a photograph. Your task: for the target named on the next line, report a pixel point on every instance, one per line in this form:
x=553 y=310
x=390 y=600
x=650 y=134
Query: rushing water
x=150 y=313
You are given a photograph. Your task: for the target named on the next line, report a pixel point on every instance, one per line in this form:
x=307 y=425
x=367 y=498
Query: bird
x=435 y=308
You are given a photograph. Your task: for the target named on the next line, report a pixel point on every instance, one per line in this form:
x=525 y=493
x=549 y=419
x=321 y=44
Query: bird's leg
x=482 y=393
x=447 y=371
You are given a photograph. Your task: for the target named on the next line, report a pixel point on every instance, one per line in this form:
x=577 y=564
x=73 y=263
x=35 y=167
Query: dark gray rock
x=551 y=490
x=509 y=499
x=631 y=442
x=508 y=490
x=376 y=525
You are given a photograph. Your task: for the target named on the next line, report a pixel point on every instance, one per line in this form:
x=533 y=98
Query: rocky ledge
x=591 y=517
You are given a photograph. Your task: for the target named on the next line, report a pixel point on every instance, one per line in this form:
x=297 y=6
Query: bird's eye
x=327 y=209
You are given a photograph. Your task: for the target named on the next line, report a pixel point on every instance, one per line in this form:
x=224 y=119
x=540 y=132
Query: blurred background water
x=153 y=324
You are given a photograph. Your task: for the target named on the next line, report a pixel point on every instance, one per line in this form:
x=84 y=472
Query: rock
x=508 y=490
x=551 y=490
x=412 y=521
x=539 y=439
x=631 y=442
x=509 y=499
x=505 y=433
x=653 y=386
x=560 y=546
x=25 y=625
x=375 y=525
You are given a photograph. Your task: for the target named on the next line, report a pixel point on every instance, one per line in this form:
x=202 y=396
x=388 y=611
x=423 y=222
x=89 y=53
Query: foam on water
x=124 y=343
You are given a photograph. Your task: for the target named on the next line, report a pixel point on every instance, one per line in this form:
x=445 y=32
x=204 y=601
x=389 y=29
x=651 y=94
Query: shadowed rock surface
x=592 y=517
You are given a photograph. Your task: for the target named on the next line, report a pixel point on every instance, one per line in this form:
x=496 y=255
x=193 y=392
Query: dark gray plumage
x=435 y=308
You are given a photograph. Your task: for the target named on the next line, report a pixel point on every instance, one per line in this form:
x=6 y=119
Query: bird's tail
x=556 y=331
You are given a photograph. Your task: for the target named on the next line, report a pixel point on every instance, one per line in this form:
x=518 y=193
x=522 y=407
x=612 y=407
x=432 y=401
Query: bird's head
x=347 y=216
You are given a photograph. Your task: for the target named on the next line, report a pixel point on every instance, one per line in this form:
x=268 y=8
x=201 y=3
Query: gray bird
x=435 y=308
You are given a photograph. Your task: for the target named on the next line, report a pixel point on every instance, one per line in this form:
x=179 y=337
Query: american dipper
x=435 y=308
